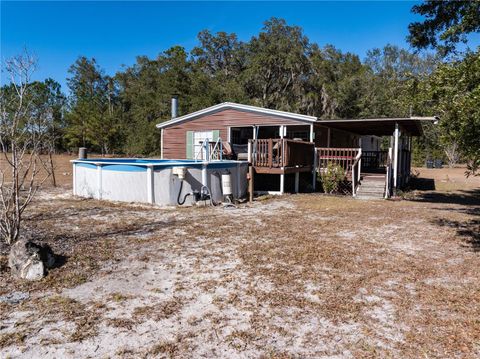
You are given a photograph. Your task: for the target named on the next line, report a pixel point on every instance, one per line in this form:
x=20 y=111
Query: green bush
x=331 y=179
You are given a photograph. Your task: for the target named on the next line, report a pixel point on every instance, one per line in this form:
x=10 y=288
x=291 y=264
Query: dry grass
x=296 y=276
x=63 y=170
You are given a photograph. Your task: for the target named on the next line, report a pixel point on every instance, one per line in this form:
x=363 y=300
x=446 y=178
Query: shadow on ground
x=468 y=203
x=422 y=184
x=463 y=197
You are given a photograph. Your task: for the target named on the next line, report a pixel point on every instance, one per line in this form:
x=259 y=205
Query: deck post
x=150 y=194
x=297 y=182
x=396 y=135
x=250 y=172
x=282 y=183
x=311 y=133
x=314 y=172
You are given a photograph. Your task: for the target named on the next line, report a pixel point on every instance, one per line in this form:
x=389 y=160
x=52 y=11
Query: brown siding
x=174 y=137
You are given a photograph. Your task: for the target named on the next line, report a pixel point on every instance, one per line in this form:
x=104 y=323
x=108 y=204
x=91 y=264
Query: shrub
x=333 y=176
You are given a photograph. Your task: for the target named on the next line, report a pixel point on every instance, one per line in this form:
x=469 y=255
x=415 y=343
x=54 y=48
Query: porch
x=367 y=173
x=370 y=173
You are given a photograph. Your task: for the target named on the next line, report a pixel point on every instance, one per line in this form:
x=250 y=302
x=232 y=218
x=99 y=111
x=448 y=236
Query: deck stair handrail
x=356 y=172
x=344 y=157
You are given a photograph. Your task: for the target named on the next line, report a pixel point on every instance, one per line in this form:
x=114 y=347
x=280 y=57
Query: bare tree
x=452 y=152
x=23 y=132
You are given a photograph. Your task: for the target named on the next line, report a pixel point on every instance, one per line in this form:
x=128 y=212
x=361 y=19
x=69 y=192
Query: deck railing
x=281 y=152
x=344 y=157
x=374 y=159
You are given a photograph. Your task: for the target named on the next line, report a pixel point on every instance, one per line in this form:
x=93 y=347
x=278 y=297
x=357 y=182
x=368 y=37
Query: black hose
x=181 y=203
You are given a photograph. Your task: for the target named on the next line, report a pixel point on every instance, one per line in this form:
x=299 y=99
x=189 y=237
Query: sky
x=114 y=33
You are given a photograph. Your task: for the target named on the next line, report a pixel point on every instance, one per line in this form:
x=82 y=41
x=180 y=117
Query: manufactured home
x=288 y=149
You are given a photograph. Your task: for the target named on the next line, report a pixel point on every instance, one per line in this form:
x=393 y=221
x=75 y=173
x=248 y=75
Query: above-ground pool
x=158 y=181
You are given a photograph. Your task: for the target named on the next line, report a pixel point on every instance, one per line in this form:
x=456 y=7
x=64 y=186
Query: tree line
x=279 y=68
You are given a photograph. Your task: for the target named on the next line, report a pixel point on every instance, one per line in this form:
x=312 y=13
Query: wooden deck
x=281 y=156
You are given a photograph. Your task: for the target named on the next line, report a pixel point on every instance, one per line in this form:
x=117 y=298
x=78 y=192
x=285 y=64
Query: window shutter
x=215 y=135
x=189 y=145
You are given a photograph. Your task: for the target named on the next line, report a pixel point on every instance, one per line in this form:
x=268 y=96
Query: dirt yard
x=300 y=276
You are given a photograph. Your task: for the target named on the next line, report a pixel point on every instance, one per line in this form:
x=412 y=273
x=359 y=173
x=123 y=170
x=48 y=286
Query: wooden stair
x=372 y=186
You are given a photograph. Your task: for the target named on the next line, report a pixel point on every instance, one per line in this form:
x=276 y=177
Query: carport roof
x=379 y=126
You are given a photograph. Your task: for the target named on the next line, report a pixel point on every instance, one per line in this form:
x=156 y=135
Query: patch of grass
x=124 y=323
x=117 y=297
x=86 y=318
x=16 y=338
x=274 y=354
x=167 y=348
x=160 y=311
x=240 y=339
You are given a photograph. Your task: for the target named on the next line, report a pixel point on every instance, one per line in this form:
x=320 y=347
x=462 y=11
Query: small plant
x=333 y=176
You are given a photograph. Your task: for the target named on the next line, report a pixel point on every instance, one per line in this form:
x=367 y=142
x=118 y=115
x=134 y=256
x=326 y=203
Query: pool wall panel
x=129 y=182
x=114 y=184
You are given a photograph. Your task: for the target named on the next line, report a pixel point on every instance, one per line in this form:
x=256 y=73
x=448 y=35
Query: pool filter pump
x=203 y=195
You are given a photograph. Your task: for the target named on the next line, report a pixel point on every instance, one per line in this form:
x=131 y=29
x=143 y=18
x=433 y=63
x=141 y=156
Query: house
x=288 y=144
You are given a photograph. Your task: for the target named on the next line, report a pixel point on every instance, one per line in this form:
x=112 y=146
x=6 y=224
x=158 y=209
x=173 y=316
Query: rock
x=14 y=297
x=29 y=260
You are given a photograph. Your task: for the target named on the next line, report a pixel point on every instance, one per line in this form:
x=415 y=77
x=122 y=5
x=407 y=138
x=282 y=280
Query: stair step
x=371 y=186
x=368 y=197
x=370 y=190
x=375 y=193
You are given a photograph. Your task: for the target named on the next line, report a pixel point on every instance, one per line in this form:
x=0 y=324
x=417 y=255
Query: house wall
x=371 y=143
x=174 y=137
x=321 y=136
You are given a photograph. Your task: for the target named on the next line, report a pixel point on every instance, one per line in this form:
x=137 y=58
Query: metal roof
x=236 y=106
x=366 y=126
x=379 y=126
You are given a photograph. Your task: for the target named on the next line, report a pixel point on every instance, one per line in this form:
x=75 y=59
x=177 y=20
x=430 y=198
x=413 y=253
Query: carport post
x=282 y=183
x=396 y=135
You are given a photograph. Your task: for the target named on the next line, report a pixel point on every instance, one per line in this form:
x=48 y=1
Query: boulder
x=30 y=261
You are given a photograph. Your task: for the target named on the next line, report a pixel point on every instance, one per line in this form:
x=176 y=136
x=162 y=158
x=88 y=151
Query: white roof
x=237 y=106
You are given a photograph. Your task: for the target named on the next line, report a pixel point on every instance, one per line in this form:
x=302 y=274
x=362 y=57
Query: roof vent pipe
x=174 y=106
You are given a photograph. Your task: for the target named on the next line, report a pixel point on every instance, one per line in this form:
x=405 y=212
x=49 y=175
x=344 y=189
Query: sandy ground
x=301 y=276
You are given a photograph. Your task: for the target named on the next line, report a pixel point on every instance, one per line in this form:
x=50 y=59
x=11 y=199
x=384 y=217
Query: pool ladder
x=214 y=153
